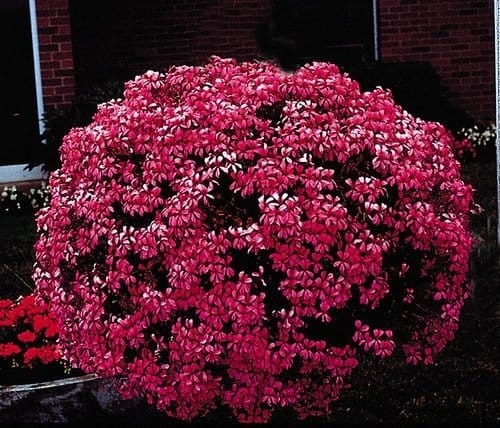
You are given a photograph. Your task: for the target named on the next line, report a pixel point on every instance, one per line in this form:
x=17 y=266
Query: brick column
x=56 y=54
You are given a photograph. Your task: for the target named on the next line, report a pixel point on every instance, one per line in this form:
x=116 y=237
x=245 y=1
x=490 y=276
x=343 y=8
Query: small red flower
x=27 y=336
x=8 y=350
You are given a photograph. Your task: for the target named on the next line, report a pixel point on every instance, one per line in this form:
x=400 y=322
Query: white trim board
x=14 y=173
x=496 y=13
x=376 y=49
x=36 y=65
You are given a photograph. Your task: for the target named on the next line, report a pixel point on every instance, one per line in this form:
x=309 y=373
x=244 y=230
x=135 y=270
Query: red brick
x=49 y=90
x=67 y=63
x=46 y=56
x=62 y=55
x=65 y=47
x=57 y=21
x=47 y=30
x=68 y=81
x=52 y=100
x=64 y=90
x=44 y=39
x=63 y=72
x=43 y=13
x=48 y=48
x=68 y=98
x=50 y=65
x=61 y=38
x=51 y=81
x=64 y=29
x=55 y=51
x=53 y=4
x=43 y=21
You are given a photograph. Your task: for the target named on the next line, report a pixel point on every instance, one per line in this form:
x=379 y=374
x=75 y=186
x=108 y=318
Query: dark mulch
x=39 y=373
x=17 y=235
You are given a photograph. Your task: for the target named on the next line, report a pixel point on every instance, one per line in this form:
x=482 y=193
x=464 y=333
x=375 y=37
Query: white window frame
x=376 y=53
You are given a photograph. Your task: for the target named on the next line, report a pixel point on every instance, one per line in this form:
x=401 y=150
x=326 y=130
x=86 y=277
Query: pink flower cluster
x=232 y=235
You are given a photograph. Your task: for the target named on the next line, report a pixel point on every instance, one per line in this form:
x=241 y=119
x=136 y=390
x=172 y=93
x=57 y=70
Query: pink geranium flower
x=231 y=234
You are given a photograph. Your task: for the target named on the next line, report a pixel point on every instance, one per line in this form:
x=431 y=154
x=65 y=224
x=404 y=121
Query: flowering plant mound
x=233 y=235
x=28 y=337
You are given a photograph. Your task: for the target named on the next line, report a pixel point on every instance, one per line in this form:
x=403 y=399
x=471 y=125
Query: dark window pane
x=323 y=30
x=18 y=113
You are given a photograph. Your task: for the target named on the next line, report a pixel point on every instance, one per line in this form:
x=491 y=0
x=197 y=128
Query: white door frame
x=10 y=173
x=496 y=33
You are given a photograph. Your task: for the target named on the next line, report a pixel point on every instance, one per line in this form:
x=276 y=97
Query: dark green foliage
x=59 y=121
x=417 y=87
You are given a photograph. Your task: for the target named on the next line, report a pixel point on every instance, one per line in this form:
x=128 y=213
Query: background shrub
x=417 y=87
x=59 y=121
x=233 y=235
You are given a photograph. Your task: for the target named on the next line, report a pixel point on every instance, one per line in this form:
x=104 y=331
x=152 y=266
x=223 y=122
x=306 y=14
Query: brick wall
x=98 y=40
x=56 y=57
x=119 y=39
x=456 y=36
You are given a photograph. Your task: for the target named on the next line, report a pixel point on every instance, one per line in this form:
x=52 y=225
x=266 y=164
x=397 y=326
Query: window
x=325 y=30
x=18 y=107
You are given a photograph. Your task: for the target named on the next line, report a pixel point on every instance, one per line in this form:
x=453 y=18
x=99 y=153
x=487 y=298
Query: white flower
x=478 y=137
